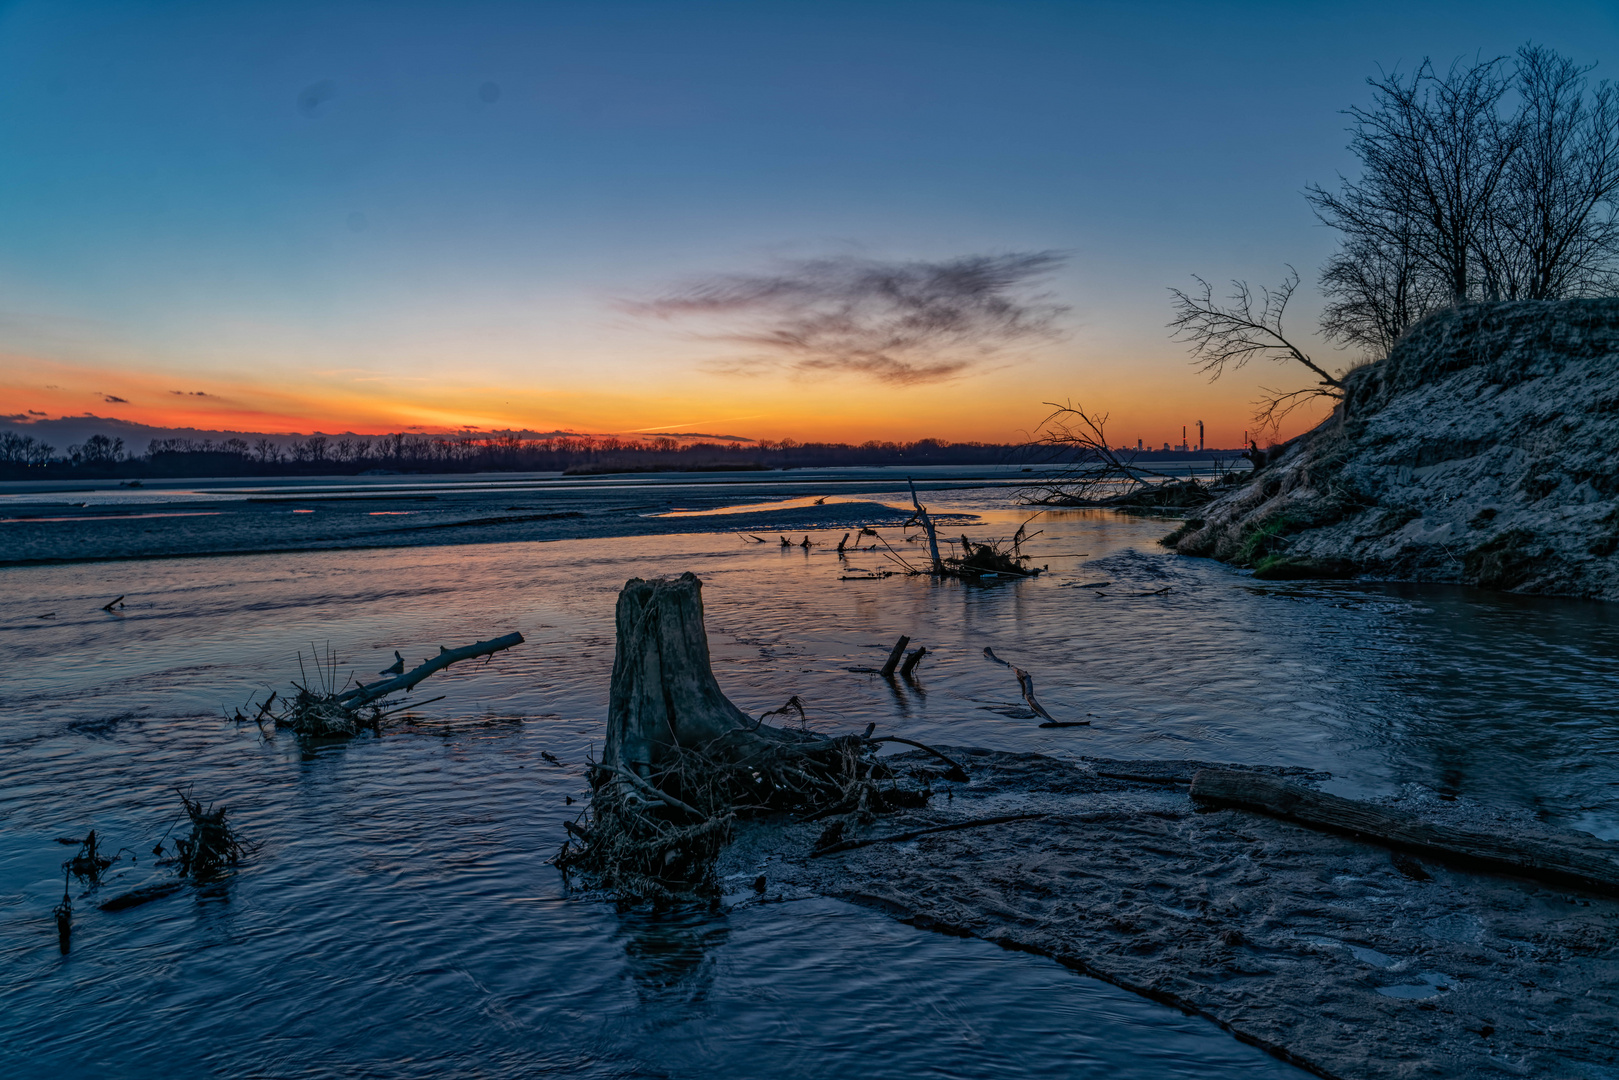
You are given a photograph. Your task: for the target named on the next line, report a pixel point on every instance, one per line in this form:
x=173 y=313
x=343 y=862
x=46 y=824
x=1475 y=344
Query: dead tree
x=1092 y=472
x=681 y=762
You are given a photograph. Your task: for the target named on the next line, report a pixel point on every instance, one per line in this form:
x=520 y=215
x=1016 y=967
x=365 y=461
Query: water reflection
x=670 y=956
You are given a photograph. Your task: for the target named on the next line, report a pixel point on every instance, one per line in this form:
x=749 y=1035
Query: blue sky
x=425 y=213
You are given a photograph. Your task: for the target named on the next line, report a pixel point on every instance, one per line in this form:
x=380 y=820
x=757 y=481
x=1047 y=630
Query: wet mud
x=1337 y=955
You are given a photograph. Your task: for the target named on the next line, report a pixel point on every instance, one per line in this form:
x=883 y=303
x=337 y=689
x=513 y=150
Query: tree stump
x=681 y=762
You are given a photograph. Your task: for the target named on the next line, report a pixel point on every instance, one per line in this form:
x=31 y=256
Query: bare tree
x=1461 y=199
x=1375 y=287
x=1093 y=473
x=1555 y=233
x=1434 y=152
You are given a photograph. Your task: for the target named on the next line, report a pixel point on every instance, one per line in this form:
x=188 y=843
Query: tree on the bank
x=97 y=451
x=1495 y=181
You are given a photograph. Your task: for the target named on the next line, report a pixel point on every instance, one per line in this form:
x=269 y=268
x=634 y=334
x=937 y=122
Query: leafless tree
x=1435 y=151
x=1554 y=232
x=1462 y=199
x=1375 y=287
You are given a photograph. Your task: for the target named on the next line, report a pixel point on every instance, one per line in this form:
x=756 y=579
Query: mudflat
x=1339 y=955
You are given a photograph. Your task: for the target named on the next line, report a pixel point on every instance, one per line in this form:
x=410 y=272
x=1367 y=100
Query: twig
x=108 y=606
x=412 y=705
x=895 y=838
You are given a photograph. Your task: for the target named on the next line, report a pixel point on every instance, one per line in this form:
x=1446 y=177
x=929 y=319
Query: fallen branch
x=1597 y=866
x=364 y=695
x=927 y=525
x=143 y=895
x=1025 y=683
x=957 y=773
x=911 y=661
x=896 y=838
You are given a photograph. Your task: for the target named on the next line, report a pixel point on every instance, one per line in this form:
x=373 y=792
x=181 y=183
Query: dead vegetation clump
x=995 y=558
x=212 y=846
x=88 y=863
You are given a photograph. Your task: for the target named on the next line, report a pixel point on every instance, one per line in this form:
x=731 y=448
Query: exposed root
x=657 y=838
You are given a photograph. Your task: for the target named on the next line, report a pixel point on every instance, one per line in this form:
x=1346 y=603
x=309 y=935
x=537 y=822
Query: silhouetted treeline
x=100 y=457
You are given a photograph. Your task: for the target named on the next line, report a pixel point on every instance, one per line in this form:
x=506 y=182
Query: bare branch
x=1094 y=473
x=1230 y=335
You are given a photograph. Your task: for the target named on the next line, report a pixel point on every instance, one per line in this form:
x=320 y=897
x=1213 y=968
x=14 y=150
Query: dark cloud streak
x=897 y=322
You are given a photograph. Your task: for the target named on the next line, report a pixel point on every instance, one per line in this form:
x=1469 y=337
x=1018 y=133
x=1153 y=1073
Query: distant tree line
x=1487 y=182
x=23 y=456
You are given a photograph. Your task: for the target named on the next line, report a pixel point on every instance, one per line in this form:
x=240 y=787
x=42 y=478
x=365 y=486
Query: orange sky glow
x=998 y=406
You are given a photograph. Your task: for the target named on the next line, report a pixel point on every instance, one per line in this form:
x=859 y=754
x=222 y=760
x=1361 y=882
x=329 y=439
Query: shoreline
x=1330 y=953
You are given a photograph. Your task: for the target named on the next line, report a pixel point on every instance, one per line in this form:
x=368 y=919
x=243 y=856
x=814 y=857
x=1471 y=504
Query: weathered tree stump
x=681 y=762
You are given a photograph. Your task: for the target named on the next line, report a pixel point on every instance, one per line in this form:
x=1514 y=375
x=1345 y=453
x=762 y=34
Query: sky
x=369 y=217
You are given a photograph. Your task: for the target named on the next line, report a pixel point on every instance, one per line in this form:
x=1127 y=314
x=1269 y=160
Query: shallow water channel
x=398 y=917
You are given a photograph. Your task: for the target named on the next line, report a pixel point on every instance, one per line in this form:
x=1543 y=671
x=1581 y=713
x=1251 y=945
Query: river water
x=398 y=918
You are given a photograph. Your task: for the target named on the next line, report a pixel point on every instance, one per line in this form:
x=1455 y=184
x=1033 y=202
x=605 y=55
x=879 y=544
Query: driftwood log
x=364 y=695
x=1590 y=863
x=681 y=762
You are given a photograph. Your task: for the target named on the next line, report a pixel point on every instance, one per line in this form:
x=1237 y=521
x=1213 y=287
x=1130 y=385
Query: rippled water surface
x=398 y=918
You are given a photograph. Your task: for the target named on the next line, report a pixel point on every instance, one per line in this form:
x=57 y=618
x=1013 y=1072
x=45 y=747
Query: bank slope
x=1484 y=450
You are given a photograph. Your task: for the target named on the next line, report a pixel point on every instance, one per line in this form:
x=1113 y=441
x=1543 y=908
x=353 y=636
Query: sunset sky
x=286 y=217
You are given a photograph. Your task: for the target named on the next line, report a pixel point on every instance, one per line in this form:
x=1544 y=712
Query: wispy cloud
x=897 y=322
x=114 y=399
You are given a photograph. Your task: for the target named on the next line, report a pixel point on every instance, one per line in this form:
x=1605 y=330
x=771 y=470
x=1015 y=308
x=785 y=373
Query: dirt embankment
x=1338 y=955
x=1484 y=450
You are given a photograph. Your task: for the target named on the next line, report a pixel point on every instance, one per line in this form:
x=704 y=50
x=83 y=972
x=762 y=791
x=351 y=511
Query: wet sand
x=1326 y=951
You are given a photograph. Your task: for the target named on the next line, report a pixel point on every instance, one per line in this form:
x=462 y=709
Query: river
x=397 y=916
